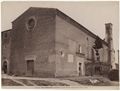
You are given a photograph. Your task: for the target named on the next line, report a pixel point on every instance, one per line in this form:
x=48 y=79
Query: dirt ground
x=67 y=81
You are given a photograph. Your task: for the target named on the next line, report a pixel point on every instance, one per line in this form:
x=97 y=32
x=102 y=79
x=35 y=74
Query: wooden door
x=30 y=67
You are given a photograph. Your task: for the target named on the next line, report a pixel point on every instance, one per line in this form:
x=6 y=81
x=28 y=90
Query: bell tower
x=109 y=40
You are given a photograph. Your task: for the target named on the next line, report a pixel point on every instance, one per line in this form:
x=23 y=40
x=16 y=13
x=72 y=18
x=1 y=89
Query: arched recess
x=5 y=66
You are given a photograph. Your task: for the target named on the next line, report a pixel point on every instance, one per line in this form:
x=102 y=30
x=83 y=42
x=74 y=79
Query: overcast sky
x=92 y=15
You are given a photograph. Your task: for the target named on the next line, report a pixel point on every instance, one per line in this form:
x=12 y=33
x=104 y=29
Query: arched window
x=4 y=67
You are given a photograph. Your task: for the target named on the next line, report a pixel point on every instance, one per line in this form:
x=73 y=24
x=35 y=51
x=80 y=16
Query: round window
x=31 y=23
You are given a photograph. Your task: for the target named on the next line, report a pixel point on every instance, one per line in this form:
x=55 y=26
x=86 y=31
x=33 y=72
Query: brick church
x=45 y=42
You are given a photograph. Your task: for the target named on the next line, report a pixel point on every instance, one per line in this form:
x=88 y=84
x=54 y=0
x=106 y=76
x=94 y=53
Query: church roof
x=55 y=11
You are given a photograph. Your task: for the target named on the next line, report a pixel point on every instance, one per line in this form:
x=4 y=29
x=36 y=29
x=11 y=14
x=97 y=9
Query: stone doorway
x=30 y=67
x=5 y=67
x=80 y=71
x=80 y=66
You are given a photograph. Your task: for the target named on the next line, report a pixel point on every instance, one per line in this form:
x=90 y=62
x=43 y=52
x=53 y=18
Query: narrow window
x=79 y=48
x=62 y=53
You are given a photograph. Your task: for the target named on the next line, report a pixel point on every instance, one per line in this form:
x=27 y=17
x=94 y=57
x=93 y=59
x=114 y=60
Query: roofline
x=70 y=20
x=78 y=25
x=32 y=8
x=6 y=30
x=21 y=15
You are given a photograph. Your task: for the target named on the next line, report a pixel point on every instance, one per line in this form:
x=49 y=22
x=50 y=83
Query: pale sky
x=92 y=15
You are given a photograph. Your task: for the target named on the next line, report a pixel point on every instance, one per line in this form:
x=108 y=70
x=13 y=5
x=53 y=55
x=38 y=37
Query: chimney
x=109 y=40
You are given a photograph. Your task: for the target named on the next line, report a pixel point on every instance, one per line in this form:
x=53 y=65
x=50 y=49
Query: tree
x=97 y=46
x=98 y=43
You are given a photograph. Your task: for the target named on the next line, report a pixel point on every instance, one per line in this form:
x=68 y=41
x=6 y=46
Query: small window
x=62 y=53
x=70 y=58
x=79 y=49
x=31 y=23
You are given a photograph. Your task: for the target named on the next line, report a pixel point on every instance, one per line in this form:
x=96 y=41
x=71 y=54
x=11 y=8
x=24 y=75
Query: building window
x=79 y=50
x=31 y=23
x=70 y=58
x=4 y=67
x=62 y=54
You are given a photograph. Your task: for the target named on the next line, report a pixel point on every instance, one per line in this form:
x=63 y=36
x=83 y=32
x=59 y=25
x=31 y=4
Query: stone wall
x=37 y=44
x=6 y=44
x=68 y=37
x=52 y=44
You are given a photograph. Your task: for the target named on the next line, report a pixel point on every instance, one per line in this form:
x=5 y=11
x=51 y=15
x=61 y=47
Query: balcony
x=80 y=54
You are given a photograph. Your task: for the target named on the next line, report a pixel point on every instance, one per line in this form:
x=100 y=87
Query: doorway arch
x=5 y=67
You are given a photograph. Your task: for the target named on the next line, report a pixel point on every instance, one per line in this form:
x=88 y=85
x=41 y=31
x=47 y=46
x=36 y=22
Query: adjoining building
x=45 y=42
x=6 y=44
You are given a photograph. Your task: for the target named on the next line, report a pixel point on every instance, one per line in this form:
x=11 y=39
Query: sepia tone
x=46 y=43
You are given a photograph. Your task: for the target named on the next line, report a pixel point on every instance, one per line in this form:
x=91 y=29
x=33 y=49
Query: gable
x=36 y=11
x=54 y=11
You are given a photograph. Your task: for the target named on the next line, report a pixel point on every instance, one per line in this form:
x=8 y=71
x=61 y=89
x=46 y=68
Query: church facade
x=45 y=42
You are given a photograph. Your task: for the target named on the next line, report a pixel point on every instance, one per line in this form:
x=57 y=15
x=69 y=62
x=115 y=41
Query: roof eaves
x=73 y=22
